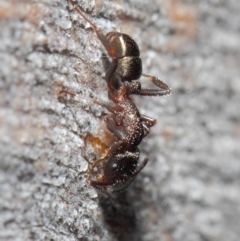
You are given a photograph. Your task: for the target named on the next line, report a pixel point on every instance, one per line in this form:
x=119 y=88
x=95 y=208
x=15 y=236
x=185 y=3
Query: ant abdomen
x=129 y=68
x=123 y=44
x=128 y=54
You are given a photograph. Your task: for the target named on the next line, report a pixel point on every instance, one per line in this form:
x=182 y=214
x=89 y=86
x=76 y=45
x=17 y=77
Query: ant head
x=121 y=166
x=115 y=173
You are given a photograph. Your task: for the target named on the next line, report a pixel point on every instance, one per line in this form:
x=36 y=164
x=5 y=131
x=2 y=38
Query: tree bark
x=190 y=187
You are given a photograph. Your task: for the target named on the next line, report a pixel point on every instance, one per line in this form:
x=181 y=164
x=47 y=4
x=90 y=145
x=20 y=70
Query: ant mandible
x=126 y=62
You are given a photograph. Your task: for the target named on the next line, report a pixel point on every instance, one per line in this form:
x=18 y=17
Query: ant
x=114 y=171
x=119 y=166
x=126 y=61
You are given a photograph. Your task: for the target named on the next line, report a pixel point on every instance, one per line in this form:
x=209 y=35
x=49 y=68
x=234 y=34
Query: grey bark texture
x=190 y=189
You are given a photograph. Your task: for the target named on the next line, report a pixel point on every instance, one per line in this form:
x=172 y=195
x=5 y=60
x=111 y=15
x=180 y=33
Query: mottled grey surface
x=190 y=188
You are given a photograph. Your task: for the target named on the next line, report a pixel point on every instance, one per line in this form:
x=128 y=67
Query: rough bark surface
x=190 y=188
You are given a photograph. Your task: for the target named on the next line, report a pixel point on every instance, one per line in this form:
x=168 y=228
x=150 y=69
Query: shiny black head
x=116 y=172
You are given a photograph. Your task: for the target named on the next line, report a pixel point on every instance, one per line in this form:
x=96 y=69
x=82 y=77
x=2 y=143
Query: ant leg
x=107 y=105
x=146 y=130
x=115 y=149
x=148 y=121
x=133 y=87
x=109 y=152
x=110 y=72
x=101 y=36
x=67 y=93
x=118 y=131
x=101 y=159
x=110 y=107
x=111 y=51
x=165 y=90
